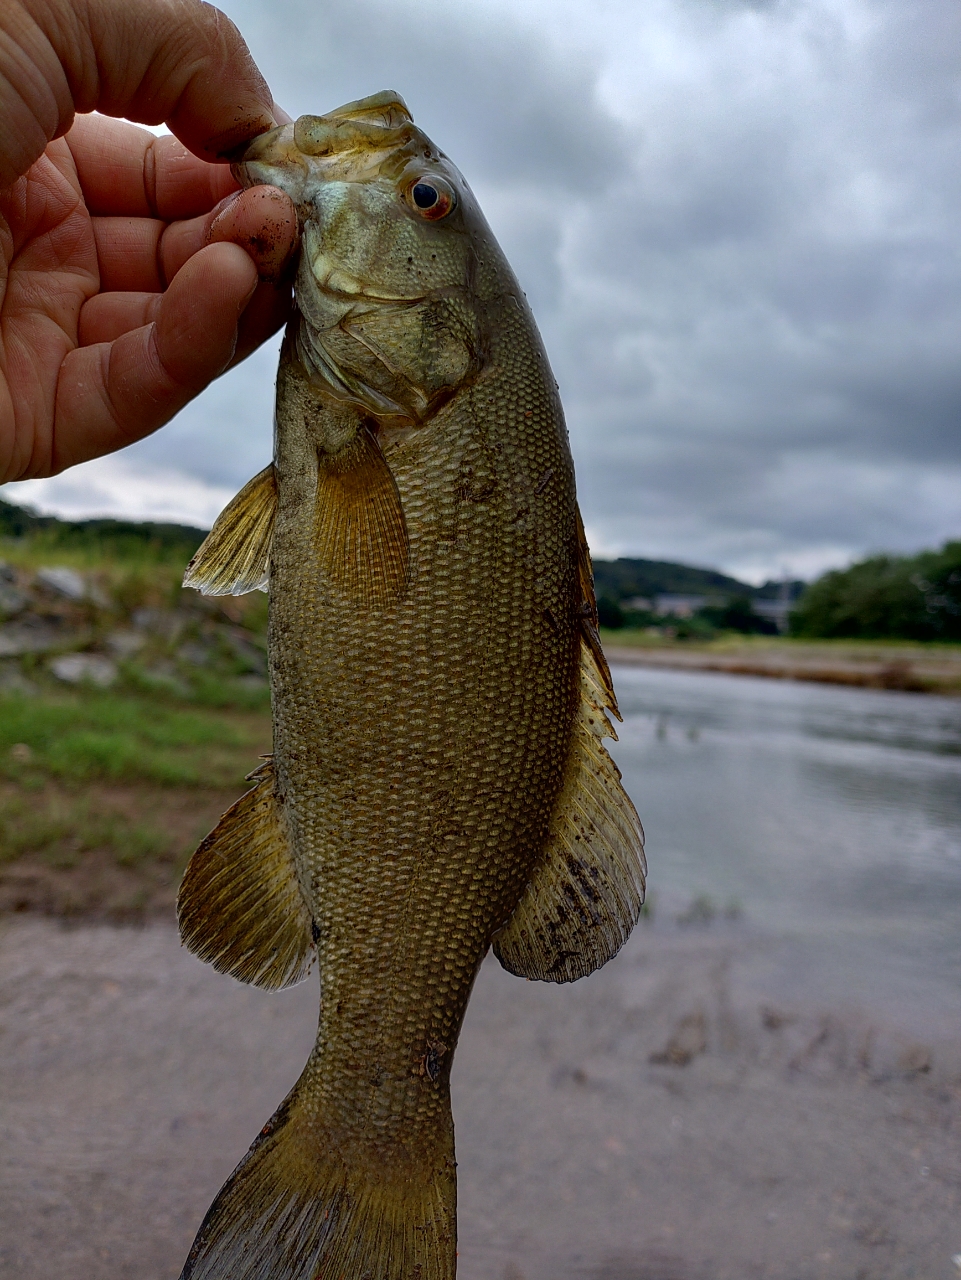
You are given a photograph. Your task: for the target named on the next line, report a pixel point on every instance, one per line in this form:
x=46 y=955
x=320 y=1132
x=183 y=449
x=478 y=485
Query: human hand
x=124 y=289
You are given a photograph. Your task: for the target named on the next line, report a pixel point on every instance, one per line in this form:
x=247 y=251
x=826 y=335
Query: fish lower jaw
x=344 y=288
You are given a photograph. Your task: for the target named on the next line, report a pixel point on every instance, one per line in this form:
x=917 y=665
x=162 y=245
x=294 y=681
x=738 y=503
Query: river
x=826 y=818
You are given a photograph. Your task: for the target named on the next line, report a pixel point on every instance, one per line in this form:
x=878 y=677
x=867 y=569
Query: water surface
x=830 y=818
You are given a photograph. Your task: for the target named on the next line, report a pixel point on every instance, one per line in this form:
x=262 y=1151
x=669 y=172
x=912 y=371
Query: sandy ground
x=763 y=1140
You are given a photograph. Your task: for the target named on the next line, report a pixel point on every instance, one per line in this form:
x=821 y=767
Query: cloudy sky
x=738 y=223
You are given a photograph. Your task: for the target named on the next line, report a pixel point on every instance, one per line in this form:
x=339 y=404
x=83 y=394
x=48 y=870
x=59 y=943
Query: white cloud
x=116 y=486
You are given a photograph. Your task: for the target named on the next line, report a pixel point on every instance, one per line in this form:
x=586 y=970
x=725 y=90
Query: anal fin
x=587 y=889
x=240 y=904
x=360 y=531
x=235 y=556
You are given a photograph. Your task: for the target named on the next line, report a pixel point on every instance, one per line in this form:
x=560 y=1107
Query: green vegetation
x=623 y=579
x=680 y=602
x=905 y=597
x=122 y=737
x=97 y=540
x=67 y=826
x=130 y=712
x=881 y=598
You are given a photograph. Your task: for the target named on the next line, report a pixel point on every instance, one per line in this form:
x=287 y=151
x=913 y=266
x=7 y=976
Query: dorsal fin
x=240 y=904
x=234 y=558
x=589 y=621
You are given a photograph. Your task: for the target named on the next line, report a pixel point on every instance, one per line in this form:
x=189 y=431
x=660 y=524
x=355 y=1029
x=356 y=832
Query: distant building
x=672 y=606
x=640 y=603
x=776 y=610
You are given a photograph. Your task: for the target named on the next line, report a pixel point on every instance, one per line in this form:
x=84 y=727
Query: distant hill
x=624 y=578
x=116 y=537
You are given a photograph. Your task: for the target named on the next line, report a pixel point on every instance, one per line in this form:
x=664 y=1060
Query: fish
x=438 y=785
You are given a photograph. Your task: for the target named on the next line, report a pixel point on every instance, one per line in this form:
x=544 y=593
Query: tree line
x=886 y=597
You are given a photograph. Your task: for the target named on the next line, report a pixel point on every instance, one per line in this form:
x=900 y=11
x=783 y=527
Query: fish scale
x=437 y=782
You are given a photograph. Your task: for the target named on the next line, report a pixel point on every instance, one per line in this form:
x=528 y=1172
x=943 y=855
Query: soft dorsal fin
x=587 y=889
x=240 y=905
x=235 y=556
x=589 y=622
x=360 y=531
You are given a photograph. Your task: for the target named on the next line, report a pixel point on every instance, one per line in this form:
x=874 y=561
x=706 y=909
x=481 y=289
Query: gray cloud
x=738 y=225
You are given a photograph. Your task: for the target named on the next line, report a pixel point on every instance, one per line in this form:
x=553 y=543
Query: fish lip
x=345 y=295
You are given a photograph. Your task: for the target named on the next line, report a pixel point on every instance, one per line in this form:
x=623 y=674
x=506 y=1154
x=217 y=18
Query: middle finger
x=144 y=254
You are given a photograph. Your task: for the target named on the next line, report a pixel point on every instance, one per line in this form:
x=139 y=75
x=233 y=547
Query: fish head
x=389 y=317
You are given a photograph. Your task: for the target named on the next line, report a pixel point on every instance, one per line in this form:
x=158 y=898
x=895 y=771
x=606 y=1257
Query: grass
x=104 y=796
x=104 y=793
x=632 y=637
x=904 y=665
x=125 y=737
x=63 y=827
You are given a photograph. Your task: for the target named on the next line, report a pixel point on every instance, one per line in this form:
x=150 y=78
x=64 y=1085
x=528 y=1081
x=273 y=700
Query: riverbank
x=895 y=665
x=674 y=1117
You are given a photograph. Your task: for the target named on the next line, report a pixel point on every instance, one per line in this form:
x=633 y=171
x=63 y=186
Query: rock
x=163 y=675
x=252 y=682
x=197 y=655
x=914 y=1058
x=74 y=668
x=687 y=1041
x=168 y=624
x=124 y=644
x=32 y=634
x=65 y=582
x=12 y=680
x=11 y=600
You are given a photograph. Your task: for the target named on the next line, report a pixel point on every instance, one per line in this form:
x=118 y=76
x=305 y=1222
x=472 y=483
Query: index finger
x=179 y=61
x=127 y=172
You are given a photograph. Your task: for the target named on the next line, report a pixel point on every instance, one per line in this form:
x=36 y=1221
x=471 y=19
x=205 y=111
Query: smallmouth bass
x=438 y=784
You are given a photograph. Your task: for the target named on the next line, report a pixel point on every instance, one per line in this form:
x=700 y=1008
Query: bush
x=886 y=597
x=738 y=615
x=610 y=614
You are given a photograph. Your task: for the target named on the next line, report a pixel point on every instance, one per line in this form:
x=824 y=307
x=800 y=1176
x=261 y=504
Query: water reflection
x=832 y=815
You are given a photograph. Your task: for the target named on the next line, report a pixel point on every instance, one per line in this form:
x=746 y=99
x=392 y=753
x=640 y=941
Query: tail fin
x=301 y=1206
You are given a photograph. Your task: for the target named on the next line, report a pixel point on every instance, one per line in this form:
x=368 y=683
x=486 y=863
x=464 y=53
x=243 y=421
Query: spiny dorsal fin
x=235 y=556
x=360 y=531
x=240 y=905
x=587 y=889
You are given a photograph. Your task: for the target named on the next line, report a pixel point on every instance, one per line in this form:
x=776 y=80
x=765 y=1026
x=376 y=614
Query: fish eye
x=431 y=197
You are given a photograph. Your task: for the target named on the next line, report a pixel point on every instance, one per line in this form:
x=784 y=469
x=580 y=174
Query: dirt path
x=761 y=1141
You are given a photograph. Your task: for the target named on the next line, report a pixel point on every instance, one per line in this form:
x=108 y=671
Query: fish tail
x=305 y=1206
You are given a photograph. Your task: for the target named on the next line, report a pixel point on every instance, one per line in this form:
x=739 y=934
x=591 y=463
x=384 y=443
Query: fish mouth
x=336 y=283
x=344 y=288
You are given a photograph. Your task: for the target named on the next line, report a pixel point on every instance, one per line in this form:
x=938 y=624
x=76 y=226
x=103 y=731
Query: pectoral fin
x=587 y=889
x=234 y=558
x=360 y=531
x=240 y=905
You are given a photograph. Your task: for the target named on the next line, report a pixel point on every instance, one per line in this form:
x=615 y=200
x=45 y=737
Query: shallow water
x=829 y=818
